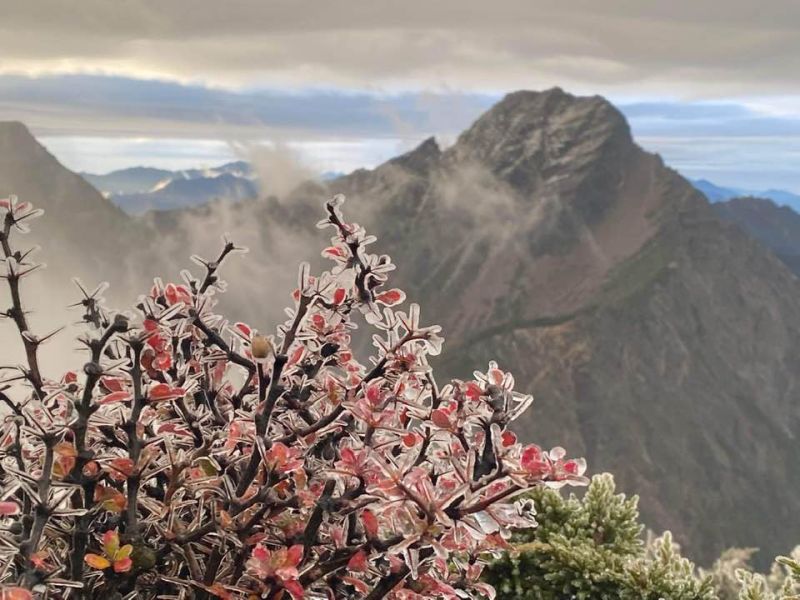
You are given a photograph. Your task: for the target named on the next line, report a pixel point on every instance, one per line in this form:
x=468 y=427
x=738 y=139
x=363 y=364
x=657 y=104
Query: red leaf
x=244 y=329
x=295 y=555
x=177 y=293
x=121 y=467
x=163 y=361
x=374 y=394
x=296 y=355
x=532 y=460
x=15 y=593
x=339 y=295
x=295 y=588
x=162 y=391
x=473 y=391
x=8 y=508
x=123 y=566
x=115 y=397
x=358 y=562
x=391 y=297
x=410 y=440
x=508 y=439
x=441 y=419
x=370 y=523
x=113 y=384
x=334 y=252
x=348 y=455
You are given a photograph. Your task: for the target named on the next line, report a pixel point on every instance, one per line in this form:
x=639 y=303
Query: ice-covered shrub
x=192 y=457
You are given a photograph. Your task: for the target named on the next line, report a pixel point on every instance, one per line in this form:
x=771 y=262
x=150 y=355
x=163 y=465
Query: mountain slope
x=777 y=227
x=657 y=339
x=81 y=231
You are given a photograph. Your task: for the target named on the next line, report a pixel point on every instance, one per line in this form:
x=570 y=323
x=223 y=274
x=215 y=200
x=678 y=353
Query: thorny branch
x=192 y=457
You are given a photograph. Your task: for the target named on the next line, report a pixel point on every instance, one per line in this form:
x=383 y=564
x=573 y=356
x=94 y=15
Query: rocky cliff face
x=657 y=339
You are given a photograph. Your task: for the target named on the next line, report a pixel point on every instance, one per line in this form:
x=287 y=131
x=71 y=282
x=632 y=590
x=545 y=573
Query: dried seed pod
x=260 y=346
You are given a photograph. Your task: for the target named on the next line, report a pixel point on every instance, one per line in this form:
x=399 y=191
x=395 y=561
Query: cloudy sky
x=710 y=84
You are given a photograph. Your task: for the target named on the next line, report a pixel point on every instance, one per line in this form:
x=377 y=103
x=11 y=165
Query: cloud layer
x=710 y=84
x=685 y=48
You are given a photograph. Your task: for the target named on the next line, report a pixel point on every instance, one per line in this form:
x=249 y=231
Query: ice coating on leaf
x=242 y=463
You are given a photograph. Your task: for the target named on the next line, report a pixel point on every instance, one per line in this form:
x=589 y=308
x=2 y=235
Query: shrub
x=592 y=548
x=733 y=578
x=193 y=457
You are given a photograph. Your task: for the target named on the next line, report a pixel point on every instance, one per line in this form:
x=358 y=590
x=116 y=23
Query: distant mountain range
x=716 y=193
x=140 y=189
x=659 y=339
x=777 y=227
x=137 y=190
x=770 y=216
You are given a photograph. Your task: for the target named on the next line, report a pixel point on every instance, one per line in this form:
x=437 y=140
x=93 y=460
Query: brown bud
x=260 y=346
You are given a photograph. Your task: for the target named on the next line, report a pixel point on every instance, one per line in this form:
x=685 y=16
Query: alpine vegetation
x=193 y=457
x=592 y=548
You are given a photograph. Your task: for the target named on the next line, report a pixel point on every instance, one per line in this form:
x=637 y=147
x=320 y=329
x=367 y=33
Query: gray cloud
x=685 y=48
x=104 y=105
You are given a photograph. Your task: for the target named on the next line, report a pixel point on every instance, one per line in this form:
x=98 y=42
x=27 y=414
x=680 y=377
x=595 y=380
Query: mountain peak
x=15 y=132
x=420 y=159
x=553 y=111
x=551 y=95
x=13 y=126
x=532 y=140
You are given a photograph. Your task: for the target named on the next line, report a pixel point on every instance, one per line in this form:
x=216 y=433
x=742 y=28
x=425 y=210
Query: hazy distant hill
x=777 y=227
x=139 y=189
x=129 y=181
x=659 y=340
x=716 y=193
x=179 y=193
